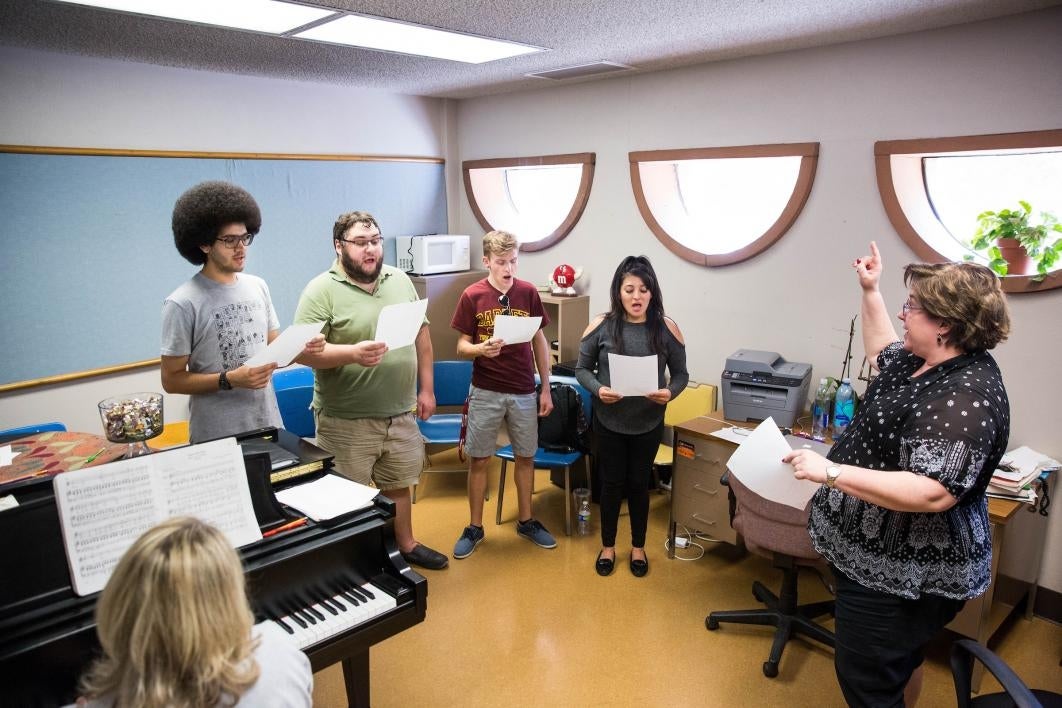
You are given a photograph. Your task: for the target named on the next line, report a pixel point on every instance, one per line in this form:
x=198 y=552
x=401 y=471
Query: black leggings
x=625 y=463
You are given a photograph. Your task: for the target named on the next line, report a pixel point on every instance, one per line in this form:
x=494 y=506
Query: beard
x=359 y=274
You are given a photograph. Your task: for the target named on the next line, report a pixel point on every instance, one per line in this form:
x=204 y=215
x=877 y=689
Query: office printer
x=760 y=385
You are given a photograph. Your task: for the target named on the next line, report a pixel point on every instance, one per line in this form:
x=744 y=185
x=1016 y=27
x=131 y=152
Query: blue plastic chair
x=442 y=430
x=294 y=389
x=25 y=430
x=545 y=460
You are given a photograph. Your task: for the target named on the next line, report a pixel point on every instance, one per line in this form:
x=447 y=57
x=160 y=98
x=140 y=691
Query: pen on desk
x=98 y=453
x=286 y=527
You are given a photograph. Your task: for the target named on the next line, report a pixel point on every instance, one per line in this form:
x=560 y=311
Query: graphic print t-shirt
x=218 y=327
x=513 y=371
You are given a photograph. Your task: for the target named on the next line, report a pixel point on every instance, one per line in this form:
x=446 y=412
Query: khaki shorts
x=487 y=410
x=387 y=452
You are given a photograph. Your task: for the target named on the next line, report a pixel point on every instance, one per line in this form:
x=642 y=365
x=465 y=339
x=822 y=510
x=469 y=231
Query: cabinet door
x=443 y=292
x=699 y=500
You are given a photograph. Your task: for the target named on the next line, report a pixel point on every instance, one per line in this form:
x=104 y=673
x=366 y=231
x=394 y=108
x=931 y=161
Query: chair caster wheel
x=770 y=669
x=711 y=623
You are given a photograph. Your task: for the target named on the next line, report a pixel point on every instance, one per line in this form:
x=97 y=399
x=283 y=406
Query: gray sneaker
x=536 y=533
x=471 y=537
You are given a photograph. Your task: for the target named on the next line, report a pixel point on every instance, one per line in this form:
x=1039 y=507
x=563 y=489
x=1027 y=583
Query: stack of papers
x=1017 y=471
x=328 y=497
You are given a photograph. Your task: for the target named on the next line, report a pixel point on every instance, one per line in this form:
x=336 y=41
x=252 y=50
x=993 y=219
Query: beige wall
x=798 y=297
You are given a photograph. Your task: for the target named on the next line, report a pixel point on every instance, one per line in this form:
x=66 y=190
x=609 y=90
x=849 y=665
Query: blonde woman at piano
x=177 y=630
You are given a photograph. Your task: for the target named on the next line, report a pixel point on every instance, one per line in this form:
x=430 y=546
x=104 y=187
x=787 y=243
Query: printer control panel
x=761 y=378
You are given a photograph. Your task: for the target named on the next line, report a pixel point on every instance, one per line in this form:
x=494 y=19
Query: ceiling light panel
x=267 y=16
x=386 y=35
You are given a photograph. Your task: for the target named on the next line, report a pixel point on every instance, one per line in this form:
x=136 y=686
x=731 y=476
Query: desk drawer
x=706 y=509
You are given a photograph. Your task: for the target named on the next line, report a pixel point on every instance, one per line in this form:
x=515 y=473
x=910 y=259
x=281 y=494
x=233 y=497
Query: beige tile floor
x=516 y=625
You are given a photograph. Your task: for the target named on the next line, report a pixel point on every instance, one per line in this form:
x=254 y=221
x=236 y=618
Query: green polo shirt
x=350 y=315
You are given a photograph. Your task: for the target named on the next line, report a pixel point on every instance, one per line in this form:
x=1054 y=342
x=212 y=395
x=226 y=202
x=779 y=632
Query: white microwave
x=437 y=253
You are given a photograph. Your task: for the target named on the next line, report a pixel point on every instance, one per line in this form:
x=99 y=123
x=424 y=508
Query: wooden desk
x=699 y=501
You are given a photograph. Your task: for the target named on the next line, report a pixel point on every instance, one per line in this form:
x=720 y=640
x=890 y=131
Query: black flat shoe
x=604 y=566
x=639 y=568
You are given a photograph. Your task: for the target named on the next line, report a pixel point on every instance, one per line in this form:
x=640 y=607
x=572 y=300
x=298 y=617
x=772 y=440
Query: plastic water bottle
x=584 y=518
x=843 y=407
x=582 y=511
x=820 y=411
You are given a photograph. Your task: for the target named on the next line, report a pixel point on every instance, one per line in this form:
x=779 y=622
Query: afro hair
x=200 y=213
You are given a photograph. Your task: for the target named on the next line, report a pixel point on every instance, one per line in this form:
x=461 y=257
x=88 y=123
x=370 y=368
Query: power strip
x=681 y=542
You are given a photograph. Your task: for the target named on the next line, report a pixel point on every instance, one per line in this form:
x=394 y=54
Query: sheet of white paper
x=398 y=324
x=633 y=375
x=757 y=463
x=515 y=330
x=328 y=497
x=103 y=509
x=287 y=346
x=6 y=456
x=1028 y=460
x=8 y=502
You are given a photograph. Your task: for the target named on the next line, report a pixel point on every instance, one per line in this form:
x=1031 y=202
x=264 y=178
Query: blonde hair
x=174 y=622
x=496 y=243
x=968 y=297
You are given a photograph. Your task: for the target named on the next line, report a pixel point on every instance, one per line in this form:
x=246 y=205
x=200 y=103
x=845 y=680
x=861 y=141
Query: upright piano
x=334 y=589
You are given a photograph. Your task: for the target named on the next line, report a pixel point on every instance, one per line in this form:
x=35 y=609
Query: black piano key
x=334 y=600
x=349 y=595
x=284 y=624
x=309 y=608
x=326 y=602
x=357 y=592
x=294 y=615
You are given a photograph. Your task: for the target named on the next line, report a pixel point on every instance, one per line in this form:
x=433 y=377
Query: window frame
x=809 y=154
x=586 y=159
x=906 y=185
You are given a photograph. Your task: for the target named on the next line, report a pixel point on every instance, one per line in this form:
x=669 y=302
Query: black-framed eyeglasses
x=506 y=309
x=908 y=306
x=234 y=241
x=363 y=243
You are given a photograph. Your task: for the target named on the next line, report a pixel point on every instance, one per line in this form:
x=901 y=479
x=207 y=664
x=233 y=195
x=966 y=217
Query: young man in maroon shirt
x=503 y=385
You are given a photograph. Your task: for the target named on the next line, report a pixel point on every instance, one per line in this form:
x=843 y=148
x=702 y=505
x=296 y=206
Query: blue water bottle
x=843 y=407
x=820 y=411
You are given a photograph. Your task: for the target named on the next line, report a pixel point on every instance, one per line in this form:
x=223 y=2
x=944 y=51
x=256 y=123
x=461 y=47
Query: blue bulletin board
x=88 y=253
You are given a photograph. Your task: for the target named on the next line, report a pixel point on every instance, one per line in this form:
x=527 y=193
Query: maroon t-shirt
x=512 y=371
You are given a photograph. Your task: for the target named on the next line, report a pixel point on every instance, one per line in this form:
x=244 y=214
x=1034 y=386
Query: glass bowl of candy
x=133 y=418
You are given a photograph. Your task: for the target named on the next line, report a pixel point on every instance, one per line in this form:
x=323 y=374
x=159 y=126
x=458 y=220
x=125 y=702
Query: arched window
x=933 y=189
x=717 y=206
x=539 y=199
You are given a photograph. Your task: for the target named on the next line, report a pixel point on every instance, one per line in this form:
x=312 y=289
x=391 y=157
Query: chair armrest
x=963 y=653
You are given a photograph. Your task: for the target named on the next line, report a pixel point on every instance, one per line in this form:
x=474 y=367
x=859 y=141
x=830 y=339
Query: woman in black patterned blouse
x=902 y=516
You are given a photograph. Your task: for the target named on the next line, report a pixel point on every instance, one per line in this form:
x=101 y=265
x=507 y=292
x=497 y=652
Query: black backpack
x=565 y=429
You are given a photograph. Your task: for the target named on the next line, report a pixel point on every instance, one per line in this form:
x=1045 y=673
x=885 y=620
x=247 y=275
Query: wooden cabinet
x=443 y=292
x=568 y=317
x=699 y=500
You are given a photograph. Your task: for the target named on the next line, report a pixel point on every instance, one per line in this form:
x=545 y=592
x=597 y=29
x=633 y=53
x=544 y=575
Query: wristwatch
x=223 y=382
x=833 y=471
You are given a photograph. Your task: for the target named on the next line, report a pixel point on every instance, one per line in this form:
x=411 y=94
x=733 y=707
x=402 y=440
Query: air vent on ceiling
x=596 y=68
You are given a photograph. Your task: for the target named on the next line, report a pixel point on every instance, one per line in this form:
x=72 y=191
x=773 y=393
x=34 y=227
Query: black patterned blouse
x=950 y=424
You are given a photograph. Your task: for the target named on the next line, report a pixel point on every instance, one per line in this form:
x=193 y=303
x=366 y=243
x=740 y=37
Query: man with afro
x=217 y=320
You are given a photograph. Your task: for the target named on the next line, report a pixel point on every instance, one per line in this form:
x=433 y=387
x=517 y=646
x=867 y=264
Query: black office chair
x=778 y=532
x=1016 y=693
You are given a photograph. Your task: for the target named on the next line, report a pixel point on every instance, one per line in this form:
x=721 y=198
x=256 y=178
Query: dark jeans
x=880 y=639
x=625 y=463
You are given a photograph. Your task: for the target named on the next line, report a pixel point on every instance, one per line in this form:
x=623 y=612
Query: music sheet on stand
x=102 y=510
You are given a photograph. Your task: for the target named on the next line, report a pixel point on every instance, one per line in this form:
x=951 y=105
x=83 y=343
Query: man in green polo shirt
x=365 y=395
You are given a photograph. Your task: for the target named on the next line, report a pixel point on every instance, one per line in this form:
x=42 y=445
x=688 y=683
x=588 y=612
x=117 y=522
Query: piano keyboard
x=311 y=619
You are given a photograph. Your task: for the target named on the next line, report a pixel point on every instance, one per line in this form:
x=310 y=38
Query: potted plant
x=1015 y=246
